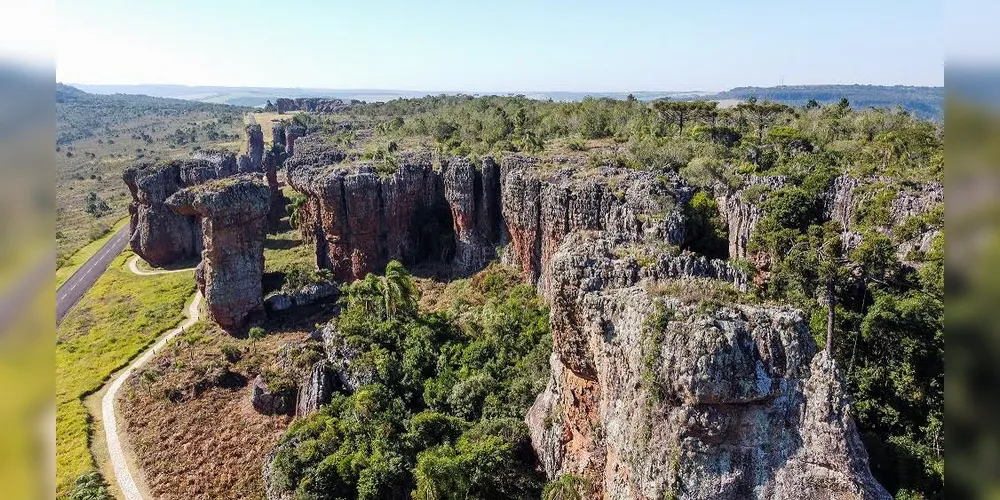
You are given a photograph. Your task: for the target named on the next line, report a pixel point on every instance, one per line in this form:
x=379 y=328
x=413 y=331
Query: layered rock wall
x=233 y=213
x=158 y=234
x=360 y=220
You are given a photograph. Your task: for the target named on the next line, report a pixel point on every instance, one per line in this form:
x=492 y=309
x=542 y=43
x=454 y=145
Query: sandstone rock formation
x=473 y=195
x=360 y=220
x=652 y=395
x=267 y=401
x=158 y=234
x=223 y=162
x=278 y=134
x=292 y=132
x=662 y=383
x=627 y=205
x=233 y=213
x=255 y=146
x=742 y=211
x=276 y=201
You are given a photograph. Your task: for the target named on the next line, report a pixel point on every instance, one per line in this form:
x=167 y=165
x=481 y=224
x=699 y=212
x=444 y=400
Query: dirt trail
x=113 y=436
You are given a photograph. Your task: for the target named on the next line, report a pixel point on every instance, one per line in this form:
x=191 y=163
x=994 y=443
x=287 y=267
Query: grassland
x=120 y=316
x=73 y=262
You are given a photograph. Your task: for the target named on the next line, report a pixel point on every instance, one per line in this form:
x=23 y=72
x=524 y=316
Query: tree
x=256 y=333
x=680 y=112
x=763 y=114
x=398 y=291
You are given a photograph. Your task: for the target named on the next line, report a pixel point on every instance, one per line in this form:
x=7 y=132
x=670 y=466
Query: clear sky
x=501 y=46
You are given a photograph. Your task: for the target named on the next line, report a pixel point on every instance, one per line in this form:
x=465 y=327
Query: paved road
x=84 y=277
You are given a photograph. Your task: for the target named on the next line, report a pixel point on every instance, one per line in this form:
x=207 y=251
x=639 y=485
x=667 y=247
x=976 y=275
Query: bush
x=90 y=486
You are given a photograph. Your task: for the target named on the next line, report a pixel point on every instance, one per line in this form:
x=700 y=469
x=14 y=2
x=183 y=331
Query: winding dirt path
x=113 y=437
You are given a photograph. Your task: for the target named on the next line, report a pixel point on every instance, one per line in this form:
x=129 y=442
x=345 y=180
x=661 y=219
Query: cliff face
x=360 y=220
x=847 y=194
x=742 y=210
x=276 y=200
x=654 y=395
x=157 y=234
x=541 y=210
x=233 y=213
x=463 y=212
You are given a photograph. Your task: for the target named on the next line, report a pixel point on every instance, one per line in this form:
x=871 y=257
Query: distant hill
x=81 y=114
x=925 y=102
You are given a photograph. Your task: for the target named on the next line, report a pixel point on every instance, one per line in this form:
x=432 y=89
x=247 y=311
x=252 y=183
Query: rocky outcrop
x=462 y=213
x=233 y=213
x=742 y=211
x=255 y=147
x=315 y=390
x=157 y=234
x=278 y=134
x=223 y=162
x=348 y=374
x=626 y=205
x=270 y=402
x=313 y=293
x=654 y=395
x=847 y=194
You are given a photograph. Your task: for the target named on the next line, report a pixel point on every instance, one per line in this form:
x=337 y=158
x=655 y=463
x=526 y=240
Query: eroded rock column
x=234 y=215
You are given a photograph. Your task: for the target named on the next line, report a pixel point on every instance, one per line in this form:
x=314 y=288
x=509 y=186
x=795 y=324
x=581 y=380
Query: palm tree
x=398 y=291
x=384 y=297
x=567 y=487
x=365 y=294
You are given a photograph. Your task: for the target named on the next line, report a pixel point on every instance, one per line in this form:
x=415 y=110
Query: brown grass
x=208 y=442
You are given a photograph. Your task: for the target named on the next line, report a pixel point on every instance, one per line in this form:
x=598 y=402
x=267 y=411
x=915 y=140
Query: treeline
x=711 y=142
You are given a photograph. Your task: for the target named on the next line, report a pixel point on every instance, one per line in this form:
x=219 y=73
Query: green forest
x=444 y=417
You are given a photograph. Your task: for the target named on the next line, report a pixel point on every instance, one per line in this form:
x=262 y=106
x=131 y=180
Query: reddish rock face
x=473 y=196
x=291 y=133
x=234 y=215
x=361 y=220
x=157 y=234
x=540 y=210
x=277 y=200
x=255 y=147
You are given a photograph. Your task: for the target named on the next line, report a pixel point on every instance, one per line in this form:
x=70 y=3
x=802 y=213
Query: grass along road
x=112 y=323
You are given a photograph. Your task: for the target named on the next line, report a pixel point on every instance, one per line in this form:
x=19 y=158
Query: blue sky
x=514 y=45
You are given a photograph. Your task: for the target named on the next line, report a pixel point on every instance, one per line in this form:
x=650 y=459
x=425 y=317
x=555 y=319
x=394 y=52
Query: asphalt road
x=84 y=277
